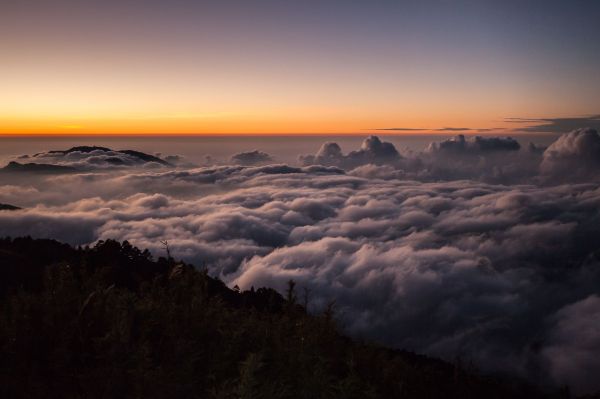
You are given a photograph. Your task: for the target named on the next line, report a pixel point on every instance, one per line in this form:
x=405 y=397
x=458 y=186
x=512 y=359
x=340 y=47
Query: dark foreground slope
x=110 y=322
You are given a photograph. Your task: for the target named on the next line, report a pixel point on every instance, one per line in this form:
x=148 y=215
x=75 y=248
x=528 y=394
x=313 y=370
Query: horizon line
x=431 y=132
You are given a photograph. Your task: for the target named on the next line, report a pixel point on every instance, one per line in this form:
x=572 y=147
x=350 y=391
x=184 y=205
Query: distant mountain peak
x=7 y=207
x=86 y=149
x=81 y=148
x=14 y=166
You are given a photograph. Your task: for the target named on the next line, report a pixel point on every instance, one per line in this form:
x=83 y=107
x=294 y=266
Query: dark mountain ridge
x=136 y=154
x=109 y=157
x=8 y=207
x=37 y=168
x=110 y=321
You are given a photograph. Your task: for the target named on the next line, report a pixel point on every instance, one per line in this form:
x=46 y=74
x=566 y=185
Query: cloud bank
x=468 y=249
x=556 y=125
x=372 y=151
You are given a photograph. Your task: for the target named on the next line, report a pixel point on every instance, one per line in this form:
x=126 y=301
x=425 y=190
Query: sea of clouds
x=482 y=249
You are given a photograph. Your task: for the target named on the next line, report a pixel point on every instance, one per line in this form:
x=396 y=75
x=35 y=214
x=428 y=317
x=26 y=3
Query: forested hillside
x=111 y=322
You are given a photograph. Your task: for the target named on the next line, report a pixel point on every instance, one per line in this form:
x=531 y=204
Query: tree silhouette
x=111 y=321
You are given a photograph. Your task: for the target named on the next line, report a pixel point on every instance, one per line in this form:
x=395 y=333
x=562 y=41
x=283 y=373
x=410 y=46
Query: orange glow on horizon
x=238 y=124
x=72 y=68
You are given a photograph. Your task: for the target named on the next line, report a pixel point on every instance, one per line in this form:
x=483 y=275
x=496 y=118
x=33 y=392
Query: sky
x=232 y=66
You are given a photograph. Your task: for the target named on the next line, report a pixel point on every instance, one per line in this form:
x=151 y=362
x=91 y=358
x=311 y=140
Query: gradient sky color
x=238 y=66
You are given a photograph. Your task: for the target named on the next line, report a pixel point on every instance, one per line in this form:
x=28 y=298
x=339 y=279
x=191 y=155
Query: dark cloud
x=251 y=158
x=178 y=160
x=453 y=129
x=441 y=129
x=174 y=159
x=554 y=125
x=474 y=145
x=402 y=129
x=536 y=148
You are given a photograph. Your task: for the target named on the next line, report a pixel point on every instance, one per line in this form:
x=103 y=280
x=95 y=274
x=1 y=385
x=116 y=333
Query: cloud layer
x=467 y=249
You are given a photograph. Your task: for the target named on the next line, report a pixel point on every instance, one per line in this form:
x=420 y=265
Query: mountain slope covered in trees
x=111 y=322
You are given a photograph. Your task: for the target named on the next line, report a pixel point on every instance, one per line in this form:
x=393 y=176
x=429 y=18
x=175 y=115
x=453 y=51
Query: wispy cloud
x=406 y=129
x=440 y=129
x=555 y=125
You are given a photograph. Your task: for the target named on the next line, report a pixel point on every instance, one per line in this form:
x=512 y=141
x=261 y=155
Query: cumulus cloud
x=474 y=146
x=490 y=159
x=575 y=155
x=251 y=158
x=176 y=160
x=494 y=273
x=371 y=171
x=441 y=129
x=372 y=151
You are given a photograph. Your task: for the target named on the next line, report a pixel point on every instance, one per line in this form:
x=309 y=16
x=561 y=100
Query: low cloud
x=441 y=129
x=554 y=125
x=573 y=345
x=477 y=145
x=255 y=157
x=427 y=251
x=372 y=151
x=490 y=159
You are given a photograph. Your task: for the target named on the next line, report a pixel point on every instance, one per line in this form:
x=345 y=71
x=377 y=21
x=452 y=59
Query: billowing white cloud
x=491 y=159
x=574 y=343
x=372 y=151
x=474 y=145
x=574 y=156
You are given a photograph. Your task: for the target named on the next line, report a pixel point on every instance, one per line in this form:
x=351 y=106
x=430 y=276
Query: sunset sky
x=234 y=66
x=429 y=167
